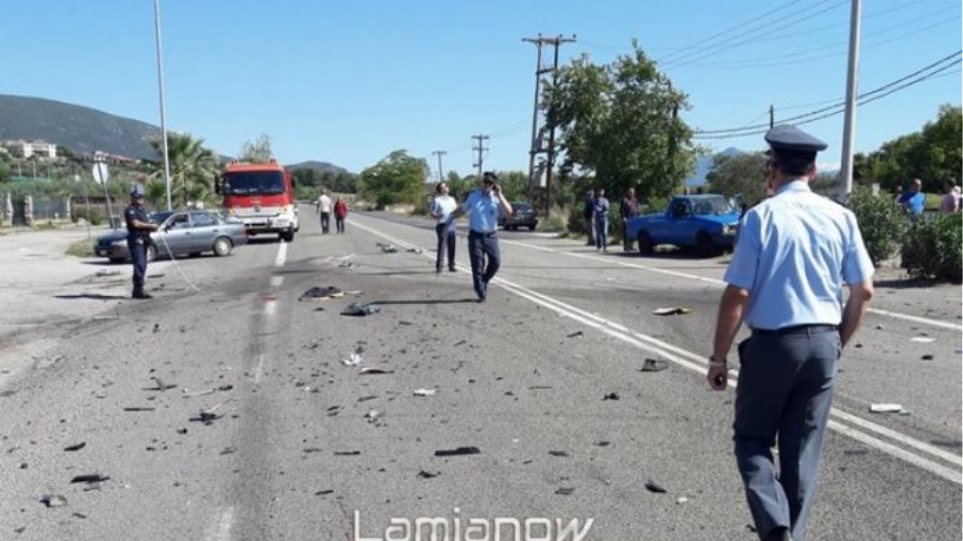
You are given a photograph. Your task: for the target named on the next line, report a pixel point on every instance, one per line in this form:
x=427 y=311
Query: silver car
x=189 y=232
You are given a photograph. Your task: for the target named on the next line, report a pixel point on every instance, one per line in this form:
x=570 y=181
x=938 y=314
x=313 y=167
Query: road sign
x=100 y=172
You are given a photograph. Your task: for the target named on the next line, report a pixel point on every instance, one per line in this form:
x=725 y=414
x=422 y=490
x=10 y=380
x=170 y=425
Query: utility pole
x=163 y=112
x=536 y=145
x=481 y=149
x=772 y=116
x=849 y=122
x=439 y=153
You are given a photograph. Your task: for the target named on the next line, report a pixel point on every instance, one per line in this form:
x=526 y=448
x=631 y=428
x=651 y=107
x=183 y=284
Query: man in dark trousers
x=629 y=209
x=482 y=207
x=588 y=213
x=796 y=251
x=138 y=237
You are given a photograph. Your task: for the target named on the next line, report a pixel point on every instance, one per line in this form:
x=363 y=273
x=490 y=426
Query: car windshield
x=254 y=183
x=711 y=205
x=159 y=217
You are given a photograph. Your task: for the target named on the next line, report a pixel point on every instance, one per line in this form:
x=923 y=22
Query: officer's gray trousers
x=785 y=388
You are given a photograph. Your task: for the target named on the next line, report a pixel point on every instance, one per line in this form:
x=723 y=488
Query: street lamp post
x=163 y=112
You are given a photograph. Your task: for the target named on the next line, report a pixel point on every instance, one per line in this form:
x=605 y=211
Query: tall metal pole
x=772 y=116
x=535 y=147
x=849 y=125
x=163 y=111
x=441 y=174
x=551 y=141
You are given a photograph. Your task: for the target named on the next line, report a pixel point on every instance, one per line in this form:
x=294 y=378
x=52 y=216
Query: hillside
x=78 y=128
x=704 y=165
x=323 y=167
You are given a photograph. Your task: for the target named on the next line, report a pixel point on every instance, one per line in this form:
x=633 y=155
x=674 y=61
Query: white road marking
x=270 y=307
x=716 y=281
x=276 y=281
x=259 y=370
x=659 y=347
x=220 y=529
x=282 y=254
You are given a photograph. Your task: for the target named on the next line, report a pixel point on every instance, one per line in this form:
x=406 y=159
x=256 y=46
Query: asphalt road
x=296 y=445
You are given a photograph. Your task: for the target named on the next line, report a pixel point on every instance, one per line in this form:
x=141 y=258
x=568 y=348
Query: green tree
x=931 y=154
x=514 y=185
x=192 y=167
x=880 y=222
x=743 y=173
x=258 y=151
x=620 y=122
x=397 y=178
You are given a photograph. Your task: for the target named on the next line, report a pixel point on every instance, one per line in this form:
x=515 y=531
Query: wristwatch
x=713 y=363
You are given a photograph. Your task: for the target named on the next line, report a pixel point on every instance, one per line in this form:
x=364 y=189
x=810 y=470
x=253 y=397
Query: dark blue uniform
x=137 y=241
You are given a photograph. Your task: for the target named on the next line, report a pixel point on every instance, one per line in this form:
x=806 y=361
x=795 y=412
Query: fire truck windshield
x=253 y=183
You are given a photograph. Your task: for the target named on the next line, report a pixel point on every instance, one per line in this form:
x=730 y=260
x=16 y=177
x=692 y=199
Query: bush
x=933 y=248
x=881 y=223
x=94 y=218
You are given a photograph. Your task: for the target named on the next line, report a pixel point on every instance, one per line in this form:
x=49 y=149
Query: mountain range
x=84 y=130
x=704 y=165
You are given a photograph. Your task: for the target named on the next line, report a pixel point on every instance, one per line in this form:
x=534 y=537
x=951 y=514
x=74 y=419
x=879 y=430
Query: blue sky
x=348 y=82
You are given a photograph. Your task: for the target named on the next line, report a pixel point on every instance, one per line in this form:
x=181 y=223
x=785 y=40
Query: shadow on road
x=427 y=301
x=92 y=296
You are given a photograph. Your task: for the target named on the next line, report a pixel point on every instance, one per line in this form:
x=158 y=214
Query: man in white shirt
x=324 y=209
x=441 y=208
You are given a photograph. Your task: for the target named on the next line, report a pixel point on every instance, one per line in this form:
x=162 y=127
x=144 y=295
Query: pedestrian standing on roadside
x=482 y=207
x=324 y=211
x=340 y=213
x=629 y=209
x=138 y=238
x=913 y=201
x=442 y=205
x=600 y=217
x=951 y=199
x=796 y=250
x=587 y=213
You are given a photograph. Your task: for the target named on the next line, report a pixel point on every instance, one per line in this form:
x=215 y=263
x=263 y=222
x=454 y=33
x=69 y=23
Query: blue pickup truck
x=707 y=223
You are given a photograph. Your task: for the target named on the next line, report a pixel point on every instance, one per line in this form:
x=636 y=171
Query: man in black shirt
x=629 y=209
x=138 y=236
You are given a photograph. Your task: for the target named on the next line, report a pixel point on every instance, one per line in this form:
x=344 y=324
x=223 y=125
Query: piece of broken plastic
x=321 y=293
x=458 y=451
x=922 y=339
x=886 y=408
x=353 y=360
x=53 y=500
x=360 y=309
x=653 y=365
x=425 y=392
x=671 y=311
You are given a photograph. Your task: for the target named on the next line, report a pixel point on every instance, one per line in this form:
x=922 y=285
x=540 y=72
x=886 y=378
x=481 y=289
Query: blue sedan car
x=707 y=223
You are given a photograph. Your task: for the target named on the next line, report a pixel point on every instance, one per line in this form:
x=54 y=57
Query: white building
x=26 y=149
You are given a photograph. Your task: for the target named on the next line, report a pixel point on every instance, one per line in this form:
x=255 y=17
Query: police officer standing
x=138 y=236
x=796 y=250
x=482 y=207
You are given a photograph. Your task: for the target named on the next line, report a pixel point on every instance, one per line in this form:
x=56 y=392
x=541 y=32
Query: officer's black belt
x=482 y=233
x=797 y=329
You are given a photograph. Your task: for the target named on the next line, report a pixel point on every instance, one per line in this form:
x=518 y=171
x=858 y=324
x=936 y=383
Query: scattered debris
x=653 y=365
x=90 y=478
x=182 y=431
x=228 y=451
x=374 y=371
x=565 y=491
x=360 y=309
x=53 y=500
x=460 y=451
x=159 y=385
x=652 y=486
x=602 y=443
x=879 y=327
x=156 y=328
x=138 y=408
x=559 y=453
x=415 y=250
x=927 y=357
x=461 y=343
x=681 y=500
x=76 y=447
x=205 y=417
x=540 y=387
x=923 y=339
x=109 y=272
x=671 y=311
x=575 y=334
x=887 y=408
x=311 y=450
x=224 y=388
x=191 y=394
x=405 y=323
x=428 y=475
x=425 y=392
x=79 y=515
x=373 y=415
x=611 y=396
x=347 y=453
x=353 y=360
x=321 y=293
x=387 y=248
x=323 y=492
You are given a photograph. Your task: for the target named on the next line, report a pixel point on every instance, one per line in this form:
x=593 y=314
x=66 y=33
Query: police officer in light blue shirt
x=483 y=207
x=795 y=253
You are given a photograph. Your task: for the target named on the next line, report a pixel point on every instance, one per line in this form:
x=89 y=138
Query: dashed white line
x=659 y=347
x=282 y=254
x=259 y=370
x=220 y=529
x=276 y=281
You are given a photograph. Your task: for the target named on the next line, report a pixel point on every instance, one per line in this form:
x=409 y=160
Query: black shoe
x=141 y=295
x=481 y=299
x=452 y=269
x=438 y=270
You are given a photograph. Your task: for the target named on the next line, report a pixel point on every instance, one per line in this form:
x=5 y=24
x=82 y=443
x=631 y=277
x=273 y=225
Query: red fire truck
x=262 y=196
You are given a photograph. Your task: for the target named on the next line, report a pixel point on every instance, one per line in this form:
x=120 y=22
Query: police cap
x=490 y=176
x=137 y=190
x=787 y=139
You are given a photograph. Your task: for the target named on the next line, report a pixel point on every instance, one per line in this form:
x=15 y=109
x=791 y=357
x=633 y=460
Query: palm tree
x=193 y=168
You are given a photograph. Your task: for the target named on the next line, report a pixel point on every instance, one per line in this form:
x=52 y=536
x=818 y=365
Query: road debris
x=76 y=446
x=90 y=478
x=428 y=475
x=888 y=408
x=459 y=451
x=415 y=250
x=652 y=486
x=653 y=365
x=353 y=360
x=927 y=357
x=347 y=453
x=611 y=396
x=565 y=491
x=108 y=272
x=191 y=394
x=671 y=311
x=922 y=339
x=159 y=385
x=205 y=417
x=681 y=499
x=323 y=492
x=228 y=451
x=368 y=371
x=602 y=443
x=360 y=309
x=425 y=392
x=562 y=454
x=321 y=293
x=53 y=500
x=387 y=248
x=373 y=415
x=575 y=334
x=138 y=408
x=156 y=328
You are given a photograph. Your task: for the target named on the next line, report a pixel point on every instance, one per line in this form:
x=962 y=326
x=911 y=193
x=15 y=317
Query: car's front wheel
x=151 y=252
x=222 y=246
x=645 y=243
x=287 y=236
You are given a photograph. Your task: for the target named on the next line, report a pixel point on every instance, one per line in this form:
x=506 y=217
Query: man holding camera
x=795 y=253
x=482 y=207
